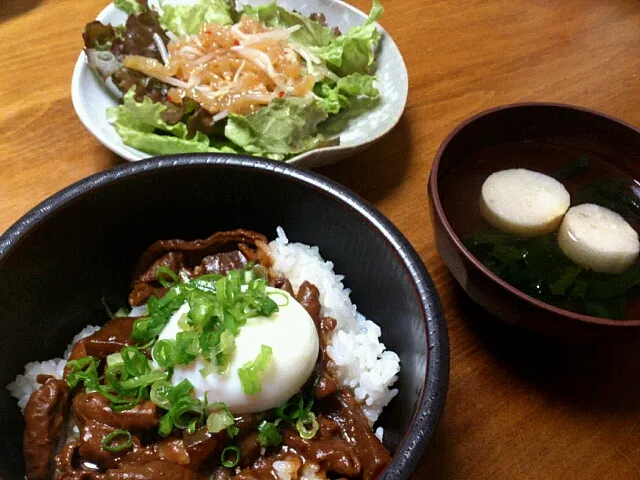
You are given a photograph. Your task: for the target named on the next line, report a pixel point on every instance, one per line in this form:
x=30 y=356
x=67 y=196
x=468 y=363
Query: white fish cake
x=599 y=239
x=523 y=202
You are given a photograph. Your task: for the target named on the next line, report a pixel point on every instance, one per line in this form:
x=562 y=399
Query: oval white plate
x=91 y=98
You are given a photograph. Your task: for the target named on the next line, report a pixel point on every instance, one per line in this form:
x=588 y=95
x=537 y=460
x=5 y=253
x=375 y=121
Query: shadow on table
x=433 y=465
x=13 y=8
x=595 y=375
x=377 y=170
x=114 y=160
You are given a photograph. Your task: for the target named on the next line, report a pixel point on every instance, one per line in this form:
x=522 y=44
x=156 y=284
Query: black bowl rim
x=433 y=394
x=433 y=183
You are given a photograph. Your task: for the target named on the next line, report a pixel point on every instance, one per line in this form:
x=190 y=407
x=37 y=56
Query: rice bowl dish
x=353 y=358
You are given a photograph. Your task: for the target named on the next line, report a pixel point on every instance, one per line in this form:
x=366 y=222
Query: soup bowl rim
x=439 y=209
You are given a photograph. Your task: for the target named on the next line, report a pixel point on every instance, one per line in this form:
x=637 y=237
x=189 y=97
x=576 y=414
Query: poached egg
x=292 y=336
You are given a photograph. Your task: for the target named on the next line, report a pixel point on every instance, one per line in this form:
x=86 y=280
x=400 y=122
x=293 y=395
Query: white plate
x=91 y=98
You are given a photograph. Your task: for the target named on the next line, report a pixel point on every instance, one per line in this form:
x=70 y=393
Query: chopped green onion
x=204 y=285
x=180 y=415
x=193 y=425
x=224 y=456
x=291 y=410
x=277 y=295
x=186 y=348
x=117 y=447
x=207 y=370
x=83 y=370
x=184 y=276
x=249 y=372
x=163 y=272
x=184 y=408
x=114 y=359
x=122 y=400
x=159 y=311
x=143 y=380
x=220 y=419
x=129 y=376
x=160 y=394
x=146 y=346
x=232 y=430
x=222 y=353
x=201 y=308
x=301 y=426
x=268 y=306
x=183 y=389
x=135 y=362
x=183 y=322
x=163 y=353
x=298 y=412
x=269 y=435
x=218 y=307
x=209 y=341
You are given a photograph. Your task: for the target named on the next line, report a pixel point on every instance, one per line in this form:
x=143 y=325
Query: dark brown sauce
x=460 y=187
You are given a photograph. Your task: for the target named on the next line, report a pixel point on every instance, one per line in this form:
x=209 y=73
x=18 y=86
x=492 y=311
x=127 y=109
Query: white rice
x=361 y=361
x=24 y=385
x=287 y=469
x=138 y=311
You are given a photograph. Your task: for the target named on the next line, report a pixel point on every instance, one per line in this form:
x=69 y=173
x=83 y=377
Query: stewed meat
x=220 y=253
x=309 y=297
x=220 y=263
x=90 y=446
x=194 y=251
x=94 y=406
x=44 y=417
x=111 y=338
x=335 y=455
x=154 y=470
x=354 y=426
x=172 y=260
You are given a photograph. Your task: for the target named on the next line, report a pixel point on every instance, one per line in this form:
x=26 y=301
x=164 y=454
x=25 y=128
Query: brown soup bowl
x=454 y=191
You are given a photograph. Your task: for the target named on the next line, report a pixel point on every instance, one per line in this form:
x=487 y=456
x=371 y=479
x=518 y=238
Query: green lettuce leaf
x=353 y=52
x=339 y=122
x=129 y=6
x=187 y=19
x=311 y=32
x=155 y=144
x=287 y=126
x=334 y=96
x=140 y=125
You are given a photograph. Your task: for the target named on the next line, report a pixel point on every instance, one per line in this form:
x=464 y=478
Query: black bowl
x=77 y=247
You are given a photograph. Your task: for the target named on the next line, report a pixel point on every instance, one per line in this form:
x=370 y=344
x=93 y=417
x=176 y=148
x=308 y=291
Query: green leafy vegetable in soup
x=539 y=268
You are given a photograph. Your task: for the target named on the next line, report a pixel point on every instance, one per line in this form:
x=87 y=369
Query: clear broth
x=460 y=187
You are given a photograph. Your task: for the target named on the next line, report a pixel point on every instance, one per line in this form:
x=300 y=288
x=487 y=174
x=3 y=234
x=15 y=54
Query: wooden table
x=518 y=407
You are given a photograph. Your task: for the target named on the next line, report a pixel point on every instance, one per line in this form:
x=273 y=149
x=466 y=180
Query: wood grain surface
x=519 y=407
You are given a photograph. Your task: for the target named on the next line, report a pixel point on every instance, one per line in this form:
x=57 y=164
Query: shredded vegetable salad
x=213 y=77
